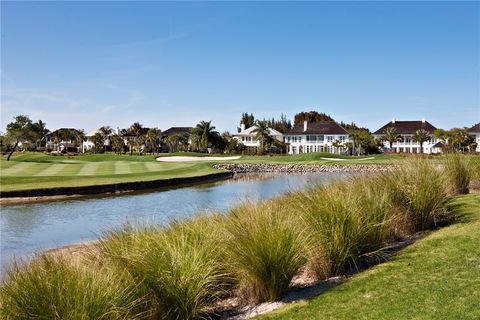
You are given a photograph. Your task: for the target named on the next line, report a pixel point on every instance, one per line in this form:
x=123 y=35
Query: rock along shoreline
x=300 y=168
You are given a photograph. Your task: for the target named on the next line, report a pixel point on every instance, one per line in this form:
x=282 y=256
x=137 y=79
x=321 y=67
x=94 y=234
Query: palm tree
x=117 y=143
x=153 y=138
x=262 y=134
x=136 y=129
x=205 y=131
x=79 y=137
x=391 y=135
x=421 y=136
x=98 y=141
x=105 y=131
x=337 y=145
x=355 y=136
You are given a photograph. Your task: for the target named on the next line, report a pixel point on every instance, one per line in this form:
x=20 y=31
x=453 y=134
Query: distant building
x=323 y=136
x=406 y=130
x=248 y=137
x=475 y=131
x=177 y=144
x=88 y=144
x=61 y=140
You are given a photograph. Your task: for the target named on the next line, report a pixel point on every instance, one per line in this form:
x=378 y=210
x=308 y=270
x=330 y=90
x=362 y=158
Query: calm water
x=28 y=228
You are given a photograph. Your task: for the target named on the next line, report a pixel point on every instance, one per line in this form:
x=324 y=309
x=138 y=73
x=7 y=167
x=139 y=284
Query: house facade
x=323 y=136
x=406 y=130
x=61 y=140
x=248 y=137
x=475 y=132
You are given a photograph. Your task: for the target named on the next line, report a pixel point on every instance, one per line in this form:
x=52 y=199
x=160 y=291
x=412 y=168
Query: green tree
x=40 y=131
x=421 y=136
x=175 y=142
x=311 y=117
x=247 y=119
x=79 y=137
x=153 y=138
x=105 y=131
x=391 y=135
x=262 y=134
x=20 y=130
x=98 y=142
x=118 y=144
x=205 y=132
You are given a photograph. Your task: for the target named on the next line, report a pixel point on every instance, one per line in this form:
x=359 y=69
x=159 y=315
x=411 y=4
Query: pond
x=31 y=227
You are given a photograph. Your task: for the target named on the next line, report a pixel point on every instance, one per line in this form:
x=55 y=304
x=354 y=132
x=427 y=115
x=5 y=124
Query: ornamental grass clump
x=52 y=287
x=459 y=170
x=345 y=220
x=267 y=248
x=181 y=268
x=418 y=189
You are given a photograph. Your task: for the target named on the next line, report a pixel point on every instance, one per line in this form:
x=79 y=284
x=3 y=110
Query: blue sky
x=88 y=64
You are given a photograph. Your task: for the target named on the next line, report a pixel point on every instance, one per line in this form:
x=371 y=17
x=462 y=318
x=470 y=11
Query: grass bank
x=438 y=277
x=252 y=253
x=32 y=171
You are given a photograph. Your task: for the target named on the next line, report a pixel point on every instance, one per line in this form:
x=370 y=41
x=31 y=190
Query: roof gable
x=321 y=127
x=407 y=127
x=177 y=131
x=475 y=128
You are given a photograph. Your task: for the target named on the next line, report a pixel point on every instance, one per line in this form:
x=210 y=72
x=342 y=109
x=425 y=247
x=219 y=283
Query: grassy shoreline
x=252 y=253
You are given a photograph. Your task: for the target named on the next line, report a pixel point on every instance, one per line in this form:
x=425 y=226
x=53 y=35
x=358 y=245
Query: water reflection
x=36 y=226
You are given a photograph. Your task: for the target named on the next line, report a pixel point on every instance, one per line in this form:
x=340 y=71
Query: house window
x=320 y=138
x=312 y=138
x=288 y=139
x=342 y=138
x=408 y=139
x=329 y=138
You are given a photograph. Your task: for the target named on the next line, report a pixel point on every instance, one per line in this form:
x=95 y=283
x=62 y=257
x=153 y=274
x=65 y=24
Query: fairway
x=37 y=171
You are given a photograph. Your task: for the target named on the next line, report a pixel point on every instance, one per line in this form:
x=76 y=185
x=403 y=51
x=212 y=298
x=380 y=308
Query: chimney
x=393 y=120
x=305 y=125
x=423 y=120
x=242 y=127
x=118 y=130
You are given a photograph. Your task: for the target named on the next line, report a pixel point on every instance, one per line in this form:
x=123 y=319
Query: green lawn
x=37 y=170
x=438 y=277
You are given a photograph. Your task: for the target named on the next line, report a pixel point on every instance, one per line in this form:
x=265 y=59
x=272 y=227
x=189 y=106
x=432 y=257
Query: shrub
x=266 y=248
x=53 y=288
x=458 y=171
x=182 y=268
x=345 y=220
x=418 y=190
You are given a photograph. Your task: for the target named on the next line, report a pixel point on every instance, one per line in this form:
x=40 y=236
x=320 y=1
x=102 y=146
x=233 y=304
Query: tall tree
x=262 y=133
x=98 y=142
x=118 y=144
x=40 y=131
x=205 y=131
x=20 y=130
x=105 y=131
x=79 y=137
x=136 y=129
x=391 y=135
x=247 y=119
x=310 y=117
x=153 y=139
x=421 y=136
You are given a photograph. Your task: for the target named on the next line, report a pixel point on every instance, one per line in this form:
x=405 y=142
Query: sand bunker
x=189 y=159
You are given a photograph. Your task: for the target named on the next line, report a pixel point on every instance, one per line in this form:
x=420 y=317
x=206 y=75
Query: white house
x=475 y=131
x=406 y=130
x=323 y=136
x=61 y=140
x=88 y=143
x=248 y=138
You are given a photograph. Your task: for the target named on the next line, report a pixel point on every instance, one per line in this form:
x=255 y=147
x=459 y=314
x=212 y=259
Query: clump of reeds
x=459 y=171
x=344 y=220
x=51 y=287
x=417 y=190
x=182 y=268
x=267 y=248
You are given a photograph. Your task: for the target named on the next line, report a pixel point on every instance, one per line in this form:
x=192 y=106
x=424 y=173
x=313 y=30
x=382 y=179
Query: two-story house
x=406 y=130
x=323 y=136
x=248 y=137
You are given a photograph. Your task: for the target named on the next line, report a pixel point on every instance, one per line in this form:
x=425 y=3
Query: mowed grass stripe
x=152 y=166
x=106 y=168
x=19 y=168
x=122 y=167
x=52 y=170
x=88 y=169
